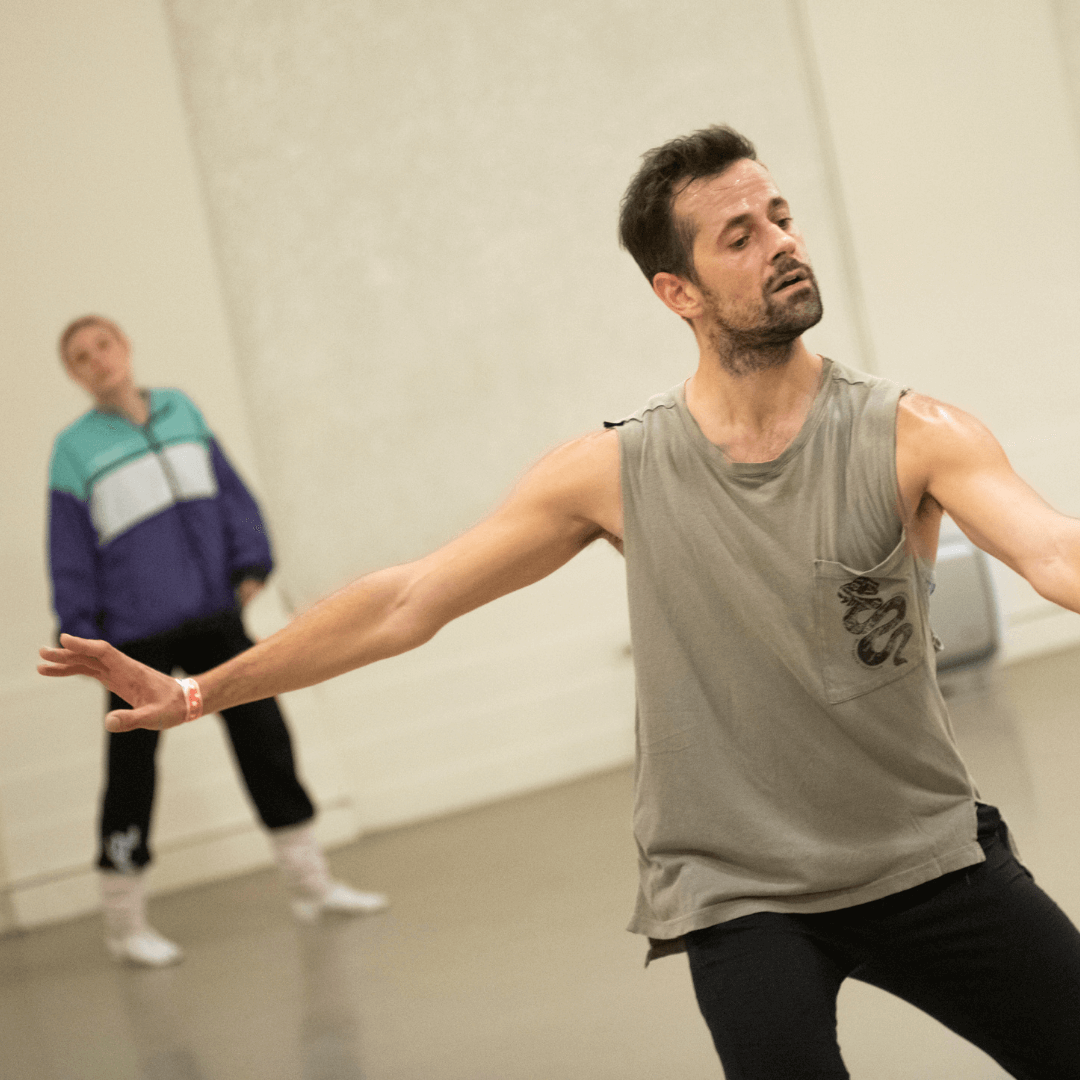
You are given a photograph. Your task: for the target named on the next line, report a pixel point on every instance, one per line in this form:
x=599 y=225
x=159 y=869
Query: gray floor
x=503 y=957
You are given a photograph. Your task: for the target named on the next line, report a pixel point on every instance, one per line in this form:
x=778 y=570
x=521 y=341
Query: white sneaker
x=340 y=899
x=146 y=948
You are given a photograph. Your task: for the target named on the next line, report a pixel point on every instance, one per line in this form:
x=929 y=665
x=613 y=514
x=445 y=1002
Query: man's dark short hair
x=648 y=228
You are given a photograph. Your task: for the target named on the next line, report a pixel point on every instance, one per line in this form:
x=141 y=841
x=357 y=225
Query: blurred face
x=98 y=358
x=758 y=290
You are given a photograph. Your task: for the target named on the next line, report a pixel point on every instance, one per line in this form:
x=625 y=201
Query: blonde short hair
x=80 y=323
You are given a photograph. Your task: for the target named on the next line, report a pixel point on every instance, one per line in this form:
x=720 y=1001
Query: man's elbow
x=1055 y=578
x=409 y=631
x=408 y=624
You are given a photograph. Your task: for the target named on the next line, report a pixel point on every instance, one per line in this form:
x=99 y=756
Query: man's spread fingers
x=61 y=670
x=57 y=656
x=84 y=646
x=67 y=657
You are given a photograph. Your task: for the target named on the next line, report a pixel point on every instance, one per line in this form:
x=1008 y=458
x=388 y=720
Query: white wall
x=376 y=242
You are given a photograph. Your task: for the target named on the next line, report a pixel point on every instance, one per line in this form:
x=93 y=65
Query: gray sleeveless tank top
x=794 y=753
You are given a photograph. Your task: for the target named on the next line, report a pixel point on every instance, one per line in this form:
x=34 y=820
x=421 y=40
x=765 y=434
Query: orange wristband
x=192 y=698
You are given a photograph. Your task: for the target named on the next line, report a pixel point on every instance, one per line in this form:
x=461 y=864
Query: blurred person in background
x=156 y=545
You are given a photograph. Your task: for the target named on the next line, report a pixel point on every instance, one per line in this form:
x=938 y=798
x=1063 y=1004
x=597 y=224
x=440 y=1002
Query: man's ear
x=680 y=294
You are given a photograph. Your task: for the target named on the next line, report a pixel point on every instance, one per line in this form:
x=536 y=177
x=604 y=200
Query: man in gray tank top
x=802 y=814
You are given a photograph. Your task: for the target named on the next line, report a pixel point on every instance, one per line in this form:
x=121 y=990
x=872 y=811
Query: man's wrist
x=192 y=699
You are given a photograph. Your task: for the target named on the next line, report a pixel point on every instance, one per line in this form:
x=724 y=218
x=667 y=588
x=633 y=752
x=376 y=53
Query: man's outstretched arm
x=947 y=455
x=570 y=498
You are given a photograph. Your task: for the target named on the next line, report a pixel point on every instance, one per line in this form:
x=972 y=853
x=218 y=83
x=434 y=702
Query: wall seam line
x=815 y=90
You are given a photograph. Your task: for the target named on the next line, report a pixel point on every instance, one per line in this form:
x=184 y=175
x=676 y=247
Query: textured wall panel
x=414 y=206
x=415 y=210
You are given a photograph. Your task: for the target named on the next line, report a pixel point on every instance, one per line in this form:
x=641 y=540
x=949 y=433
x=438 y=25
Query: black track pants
x=983 y=950
x=257 y=731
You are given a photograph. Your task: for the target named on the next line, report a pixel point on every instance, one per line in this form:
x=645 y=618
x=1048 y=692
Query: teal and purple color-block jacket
x=150 y=526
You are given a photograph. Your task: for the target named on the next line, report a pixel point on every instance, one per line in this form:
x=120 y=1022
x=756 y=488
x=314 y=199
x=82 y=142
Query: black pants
x=983 y=950
x=260 y=742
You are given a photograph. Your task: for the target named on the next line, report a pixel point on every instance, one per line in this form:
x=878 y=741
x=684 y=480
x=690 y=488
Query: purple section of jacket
x=180 y=564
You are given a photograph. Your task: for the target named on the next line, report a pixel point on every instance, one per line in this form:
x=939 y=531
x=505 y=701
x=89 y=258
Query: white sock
x=301 y=861
x=128 y=936
x=123 y=904
x=307 y=876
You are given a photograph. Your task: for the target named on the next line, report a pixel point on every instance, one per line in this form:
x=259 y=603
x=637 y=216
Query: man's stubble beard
x=746 y=350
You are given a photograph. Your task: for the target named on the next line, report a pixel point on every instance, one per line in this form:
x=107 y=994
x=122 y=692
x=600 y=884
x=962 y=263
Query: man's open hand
x=158 y=699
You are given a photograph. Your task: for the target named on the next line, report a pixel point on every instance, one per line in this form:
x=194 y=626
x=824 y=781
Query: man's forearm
x=361 y=623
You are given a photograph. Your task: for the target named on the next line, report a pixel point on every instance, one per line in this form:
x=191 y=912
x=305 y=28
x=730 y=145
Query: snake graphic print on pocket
x=870 y=624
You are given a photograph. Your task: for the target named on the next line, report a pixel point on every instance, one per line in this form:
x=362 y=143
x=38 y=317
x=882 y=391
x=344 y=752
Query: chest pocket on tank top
x=869 y=624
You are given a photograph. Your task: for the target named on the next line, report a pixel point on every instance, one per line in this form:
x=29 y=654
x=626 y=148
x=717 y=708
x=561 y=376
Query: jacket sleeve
x=248 y=541
x=73 y=565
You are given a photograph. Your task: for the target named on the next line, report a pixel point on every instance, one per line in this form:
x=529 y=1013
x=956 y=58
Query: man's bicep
x=971 y=477
x=514 y=547
x=547 y=519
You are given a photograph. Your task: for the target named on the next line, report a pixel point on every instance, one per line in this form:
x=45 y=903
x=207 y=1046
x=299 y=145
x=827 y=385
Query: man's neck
x=127 y=401
x=754 y=415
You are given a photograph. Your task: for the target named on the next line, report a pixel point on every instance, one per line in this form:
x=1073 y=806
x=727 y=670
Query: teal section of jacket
x=99 y=442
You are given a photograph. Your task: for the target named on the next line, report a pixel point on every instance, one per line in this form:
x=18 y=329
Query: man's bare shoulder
x=580 y=478
x=596 y=450
x=939 y=446
x=927 y=428
x=919 y=408
x=590 y=458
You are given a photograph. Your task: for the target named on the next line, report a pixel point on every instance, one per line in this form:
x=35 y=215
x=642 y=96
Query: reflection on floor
x=503 y=957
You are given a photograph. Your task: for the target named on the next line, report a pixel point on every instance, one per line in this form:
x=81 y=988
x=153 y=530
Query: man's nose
x=783 y=243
